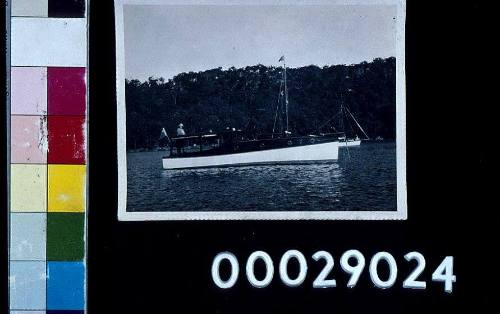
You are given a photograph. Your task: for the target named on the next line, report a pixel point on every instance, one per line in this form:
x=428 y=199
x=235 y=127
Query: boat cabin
x=204 y=142
x=236 y=141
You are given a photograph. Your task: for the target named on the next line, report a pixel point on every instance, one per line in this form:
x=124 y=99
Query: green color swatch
x=65 y=232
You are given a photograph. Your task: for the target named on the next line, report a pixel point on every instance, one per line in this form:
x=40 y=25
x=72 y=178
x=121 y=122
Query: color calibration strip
x=48 y=56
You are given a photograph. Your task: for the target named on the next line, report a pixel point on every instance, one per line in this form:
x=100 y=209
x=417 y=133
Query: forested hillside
x=246 y=98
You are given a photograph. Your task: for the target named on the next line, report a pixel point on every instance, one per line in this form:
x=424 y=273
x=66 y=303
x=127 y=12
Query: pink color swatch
x=29 y=139
x=66 y=91
x=29 y=90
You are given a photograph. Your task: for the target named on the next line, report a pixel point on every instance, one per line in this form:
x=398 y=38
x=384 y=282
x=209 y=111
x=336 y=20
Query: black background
x=164 y=267
x=160 y=267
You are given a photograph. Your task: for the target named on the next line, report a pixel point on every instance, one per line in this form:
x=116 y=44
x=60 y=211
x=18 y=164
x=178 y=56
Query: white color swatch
x=48 y=42
x=29 y=8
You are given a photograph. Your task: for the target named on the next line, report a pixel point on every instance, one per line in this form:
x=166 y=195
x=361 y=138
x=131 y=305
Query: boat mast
x=357 y=123
x=286 y=94
x=342 y=113
x=285 y=90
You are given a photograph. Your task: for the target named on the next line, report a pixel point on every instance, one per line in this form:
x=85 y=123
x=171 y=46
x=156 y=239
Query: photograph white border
x=402 y=207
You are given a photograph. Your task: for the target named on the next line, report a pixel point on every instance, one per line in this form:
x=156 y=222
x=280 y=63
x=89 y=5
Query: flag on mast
x=282 y=58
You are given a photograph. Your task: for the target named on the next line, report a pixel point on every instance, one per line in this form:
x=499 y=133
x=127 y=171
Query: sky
x=163 y=41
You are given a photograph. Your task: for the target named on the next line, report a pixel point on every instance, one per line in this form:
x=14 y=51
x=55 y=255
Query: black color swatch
x=66 y=8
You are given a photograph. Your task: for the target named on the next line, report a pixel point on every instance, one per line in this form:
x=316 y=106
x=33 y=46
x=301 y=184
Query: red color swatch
x=66 y=139
x=66 y=91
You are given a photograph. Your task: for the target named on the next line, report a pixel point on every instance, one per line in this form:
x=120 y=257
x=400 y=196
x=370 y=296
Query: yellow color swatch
x=67 y=188
x=28 y=188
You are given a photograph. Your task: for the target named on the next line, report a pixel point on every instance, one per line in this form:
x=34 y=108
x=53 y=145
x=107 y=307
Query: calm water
x=364 y=178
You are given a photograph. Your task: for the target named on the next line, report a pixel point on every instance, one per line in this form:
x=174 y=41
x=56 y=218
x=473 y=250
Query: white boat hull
x=307 y=153
x=350 y=143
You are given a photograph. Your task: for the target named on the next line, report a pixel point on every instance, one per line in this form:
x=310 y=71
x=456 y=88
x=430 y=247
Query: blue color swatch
x=28 y=235
x=65 y=286
x=27 y=285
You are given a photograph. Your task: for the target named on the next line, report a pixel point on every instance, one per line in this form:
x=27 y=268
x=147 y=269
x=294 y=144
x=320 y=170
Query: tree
x=246 y=98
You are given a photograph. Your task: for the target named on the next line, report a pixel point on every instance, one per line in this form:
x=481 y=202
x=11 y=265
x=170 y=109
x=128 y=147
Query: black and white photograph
x=261 y=110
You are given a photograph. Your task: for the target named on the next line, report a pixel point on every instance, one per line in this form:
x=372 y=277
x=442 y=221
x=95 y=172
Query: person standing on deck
x=180 y=143
x=180 y=130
